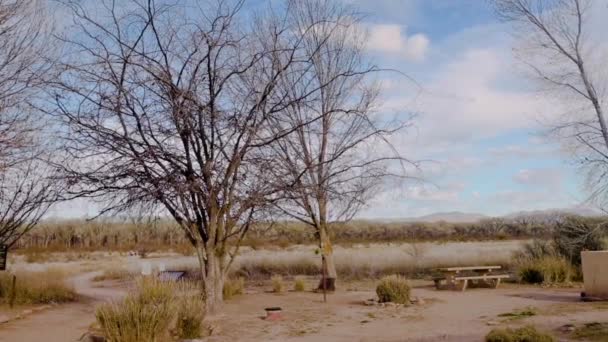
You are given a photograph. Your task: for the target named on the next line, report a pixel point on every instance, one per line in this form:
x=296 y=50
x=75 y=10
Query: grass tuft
x=393 y=289
x=277 y=284
x=190 y=315
x=144 y=315
x=547 y=270
x=525 y=334
x=299 y=284
x=233 y=287
x=521 y=314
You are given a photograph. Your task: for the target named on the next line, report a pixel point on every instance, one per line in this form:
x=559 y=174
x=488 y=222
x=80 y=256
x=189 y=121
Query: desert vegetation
x=528 y=333
x=152 y=312
x=239 y=144
x=44 y=287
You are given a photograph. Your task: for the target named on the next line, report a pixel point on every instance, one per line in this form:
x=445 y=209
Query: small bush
x=190 y=315
x=233 y=287
x=525 y=334
x=37 y=288
x=277 y=284
x=144 y=315
x=592 y=332
x=548 y=270
x=575 y=234
x=393 y=289
x=299 y=285
x=537 y=249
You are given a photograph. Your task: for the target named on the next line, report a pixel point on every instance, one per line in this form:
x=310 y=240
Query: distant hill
x=453 y=216
x=532 y=215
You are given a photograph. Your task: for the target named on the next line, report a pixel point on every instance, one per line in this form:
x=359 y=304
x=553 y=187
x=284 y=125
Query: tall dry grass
x=43 y=287
x=149 y=311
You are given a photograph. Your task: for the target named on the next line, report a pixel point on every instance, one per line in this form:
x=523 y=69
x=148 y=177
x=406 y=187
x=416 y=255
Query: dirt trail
x=65 y=323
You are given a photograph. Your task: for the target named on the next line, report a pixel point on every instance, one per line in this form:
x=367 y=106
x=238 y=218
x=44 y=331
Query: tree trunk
x=212 y=278
x=330 y=267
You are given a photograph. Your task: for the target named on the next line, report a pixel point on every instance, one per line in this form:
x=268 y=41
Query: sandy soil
x=446 y=315
x=65 y=323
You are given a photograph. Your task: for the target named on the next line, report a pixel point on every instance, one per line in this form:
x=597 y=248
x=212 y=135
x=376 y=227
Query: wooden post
x=13 y=292
x=324 y=278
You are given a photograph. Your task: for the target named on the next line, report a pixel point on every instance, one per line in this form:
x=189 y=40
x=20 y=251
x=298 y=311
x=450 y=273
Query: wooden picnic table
x=459 y=277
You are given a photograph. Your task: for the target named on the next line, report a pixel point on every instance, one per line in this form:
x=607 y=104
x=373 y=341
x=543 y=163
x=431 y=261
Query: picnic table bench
x=459 y=277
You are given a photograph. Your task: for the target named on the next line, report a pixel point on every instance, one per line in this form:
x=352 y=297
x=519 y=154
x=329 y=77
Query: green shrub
x=525 y=334
x=36 y=288
x=190 y=315
x=233 y=287
x=299 y=285
x=393 y=289
x=144 y=315
x=548 y=270
x=277 y=284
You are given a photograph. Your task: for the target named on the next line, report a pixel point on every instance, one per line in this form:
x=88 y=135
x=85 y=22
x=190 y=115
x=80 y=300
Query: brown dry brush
x=78 y=235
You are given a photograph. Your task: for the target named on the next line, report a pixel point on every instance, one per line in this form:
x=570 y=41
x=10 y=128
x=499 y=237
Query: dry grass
x=277 y=284
x=525 y=334
x=37 y=287
x=190 y=315
x=233 y=287
x=114 y=274
x=393 y=289
x=148 y=312
x=592 y=332
x=375 y=260
x=165 y=235
x=299 y=285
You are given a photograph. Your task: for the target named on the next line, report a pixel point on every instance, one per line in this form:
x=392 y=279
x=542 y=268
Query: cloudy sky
x=479 y=121
x=479 y=124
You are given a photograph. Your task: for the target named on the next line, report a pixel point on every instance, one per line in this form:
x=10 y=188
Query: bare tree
x=559 y=49
x=332 y=166
x=169 y=107
x=27 y=188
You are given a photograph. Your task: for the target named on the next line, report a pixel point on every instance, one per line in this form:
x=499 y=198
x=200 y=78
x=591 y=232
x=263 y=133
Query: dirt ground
x=444 y=315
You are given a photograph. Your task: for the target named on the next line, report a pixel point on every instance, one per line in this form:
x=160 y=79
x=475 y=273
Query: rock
x=492 y=323
x=370 y=302
x=4 y=318
x=27 y=312
x=390 y=305
x=420 y=301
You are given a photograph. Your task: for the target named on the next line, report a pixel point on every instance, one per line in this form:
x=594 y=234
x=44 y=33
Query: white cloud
x=541 y=177
x=391 y=38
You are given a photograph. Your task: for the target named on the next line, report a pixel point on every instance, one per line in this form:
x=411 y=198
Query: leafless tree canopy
x=560 y=51
x=173 y=106
x=332 y=165
x=26 y=187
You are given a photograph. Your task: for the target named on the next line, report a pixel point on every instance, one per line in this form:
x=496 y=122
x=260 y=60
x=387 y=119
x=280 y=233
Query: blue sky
x=479 y=122
x=479 y=118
